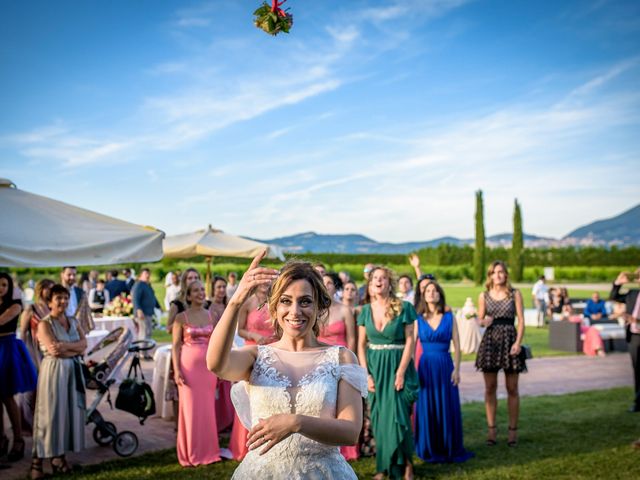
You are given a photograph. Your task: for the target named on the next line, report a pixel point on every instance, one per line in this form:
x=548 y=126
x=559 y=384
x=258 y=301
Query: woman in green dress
x=59 y=417
x=385 y=349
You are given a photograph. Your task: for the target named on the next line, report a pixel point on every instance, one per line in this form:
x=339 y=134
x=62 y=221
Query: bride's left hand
x=270 y=431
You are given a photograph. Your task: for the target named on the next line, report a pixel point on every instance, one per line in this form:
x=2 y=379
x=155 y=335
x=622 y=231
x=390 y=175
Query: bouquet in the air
x=272 y=19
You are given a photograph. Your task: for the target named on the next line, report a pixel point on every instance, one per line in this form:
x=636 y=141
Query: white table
x=159 y=382
x=94 y=337
x=162 y=361
x=111 y=323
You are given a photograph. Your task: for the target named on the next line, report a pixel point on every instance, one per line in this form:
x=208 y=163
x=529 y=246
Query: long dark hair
x=218 y=278
x=442 y=302
x=7 y=297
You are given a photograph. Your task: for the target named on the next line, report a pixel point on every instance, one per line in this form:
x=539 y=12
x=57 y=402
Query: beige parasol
x=215 y=243
x=40 y=232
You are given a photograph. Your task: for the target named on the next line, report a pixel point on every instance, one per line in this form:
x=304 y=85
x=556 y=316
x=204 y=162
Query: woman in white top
x=300 y=399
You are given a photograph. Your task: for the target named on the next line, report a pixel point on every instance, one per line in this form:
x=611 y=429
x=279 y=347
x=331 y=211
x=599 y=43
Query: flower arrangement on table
x=468 y=311
x=121 y=306
x=272 y=19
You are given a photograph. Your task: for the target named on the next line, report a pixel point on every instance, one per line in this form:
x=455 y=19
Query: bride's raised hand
x=254 y=277
x=272 y=430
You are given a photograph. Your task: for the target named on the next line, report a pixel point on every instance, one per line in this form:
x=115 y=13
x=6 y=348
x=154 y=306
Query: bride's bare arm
x=342 y=430
x=221 y=359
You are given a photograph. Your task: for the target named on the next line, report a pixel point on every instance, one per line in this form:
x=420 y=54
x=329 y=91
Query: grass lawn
x=578 y=436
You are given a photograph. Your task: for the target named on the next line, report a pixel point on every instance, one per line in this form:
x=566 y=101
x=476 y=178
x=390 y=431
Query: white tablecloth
x=162 y=360
x=94 y=337
x=111 y=323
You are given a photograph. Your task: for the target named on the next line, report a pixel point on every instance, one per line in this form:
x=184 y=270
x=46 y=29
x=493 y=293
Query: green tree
x=517 y=245
x=479 y=252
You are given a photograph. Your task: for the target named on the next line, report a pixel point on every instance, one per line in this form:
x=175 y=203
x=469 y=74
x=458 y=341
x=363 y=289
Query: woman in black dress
x=500 y=348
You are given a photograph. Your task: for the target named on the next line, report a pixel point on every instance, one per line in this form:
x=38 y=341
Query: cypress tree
x=517 y=245
x=479 y=252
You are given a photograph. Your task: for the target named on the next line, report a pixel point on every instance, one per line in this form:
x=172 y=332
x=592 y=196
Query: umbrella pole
x=207 y=285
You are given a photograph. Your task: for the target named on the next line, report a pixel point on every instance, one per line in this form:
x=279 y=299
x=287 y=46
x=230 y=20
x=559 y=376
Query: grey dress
x=59 y=418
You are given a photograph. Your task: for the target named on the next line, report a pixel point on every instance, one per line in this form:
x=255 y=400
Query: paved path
x=555 y=376
x=546 y=376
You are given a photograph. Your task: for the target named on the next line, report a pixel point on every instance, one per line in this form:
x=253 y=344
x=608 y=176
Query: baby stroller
x=118 y=349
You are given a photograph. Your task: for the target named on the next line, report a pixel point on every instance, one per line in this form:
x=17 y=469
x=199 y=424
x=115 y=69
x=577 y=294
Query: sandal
x=37 y=471
x=59 y=465
x=491 y=439
x=513 y=442
x=17 y=450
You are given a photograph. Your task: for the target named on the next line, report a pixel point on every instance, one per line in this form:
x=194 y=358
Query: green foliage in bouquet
x=272 y=19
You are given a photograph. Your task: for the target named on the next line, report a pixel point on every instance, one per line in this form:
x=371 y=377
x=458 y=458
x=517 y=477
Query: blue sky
x=371 y=117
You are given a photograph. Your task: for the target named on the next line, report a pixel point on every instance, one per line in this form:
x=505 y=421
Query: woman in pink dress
x=224 y=407
x=256 y=328
x=339 y=329
x=197 y=428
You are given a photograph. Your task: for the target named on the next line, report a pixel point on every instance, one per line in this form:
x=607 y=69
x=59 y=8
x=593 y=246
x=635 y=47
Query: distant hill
x=355 y=243
x=623 y=229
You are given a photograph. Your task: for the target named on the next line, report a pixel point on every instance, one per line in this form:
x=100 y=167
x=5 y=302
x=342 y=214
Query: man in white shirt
x=539 y=293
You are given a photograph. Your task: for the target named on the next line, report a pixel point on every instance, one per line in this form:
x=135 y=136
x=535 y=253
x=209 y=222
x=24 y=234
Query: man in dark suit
x=128 y=279
x=115 y=286
x=631 y=299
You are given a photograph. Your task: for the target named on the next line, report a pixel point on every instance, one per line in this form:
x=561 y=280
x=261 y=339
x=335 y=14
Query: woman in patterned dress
x=500 y=348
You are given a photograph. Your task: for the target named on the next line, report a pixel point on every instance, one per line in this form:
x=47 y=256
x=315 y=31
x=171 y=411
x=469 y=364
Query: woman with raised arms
x=300 y=399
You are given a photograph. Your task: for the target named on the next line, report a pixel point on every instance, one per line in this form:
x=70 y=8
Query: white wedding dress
x=311 y=379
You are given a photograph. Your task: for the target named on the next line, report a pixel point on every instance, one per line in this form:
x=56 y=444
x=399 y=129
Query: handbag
x=135 y=395
x=525 y=352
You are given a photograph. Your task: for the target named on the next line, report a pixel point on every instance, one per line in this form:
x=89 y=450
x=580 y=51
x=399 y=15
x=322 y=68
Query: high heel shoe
x=59 y=465
x=491 y=439
x=513 y=442
x=17 y=450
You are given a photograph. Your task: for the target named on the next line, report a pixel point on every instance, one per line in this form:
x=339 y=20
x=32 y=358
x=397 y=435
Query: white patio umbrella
x=40 y=232
x=215 y=243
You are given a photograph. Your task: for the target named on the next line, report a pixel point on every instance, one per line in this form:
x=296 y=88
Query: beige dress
x=59 y=417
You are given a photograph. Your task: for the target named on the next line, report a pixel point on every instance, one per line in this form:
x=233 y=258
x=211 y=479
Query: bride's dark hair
x=299 y=270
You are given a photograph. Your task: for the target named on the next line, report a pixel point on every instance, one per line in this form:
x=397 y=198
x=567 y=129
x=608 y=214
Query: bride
x=299 y=398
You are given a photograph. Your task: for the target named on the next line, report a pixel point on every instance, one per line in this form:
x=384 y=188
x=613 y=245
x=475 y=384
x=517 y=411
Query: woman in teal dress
x=385 y=348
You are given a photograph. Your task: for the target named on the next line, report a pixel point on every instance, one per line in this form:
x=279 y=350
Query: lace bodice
x=305 y=383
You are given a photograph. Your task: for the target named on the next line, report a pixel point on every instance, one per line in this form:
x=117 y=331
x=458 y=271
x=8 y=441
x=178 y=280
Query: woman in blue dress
x=438 y=421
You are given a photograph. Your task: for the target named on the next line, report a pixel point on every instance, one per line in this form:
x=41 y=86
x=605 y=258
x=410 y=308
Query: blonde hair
x=189 y=287
x=41 y=286
x=183 y=285
x=489 y=283
x=299 y=270
x=394 y=308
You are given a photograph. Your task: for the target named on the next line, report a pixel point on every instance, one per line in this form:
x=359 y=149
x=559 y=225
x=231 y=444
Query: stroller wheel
x=104 y=434
x=125 y=443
